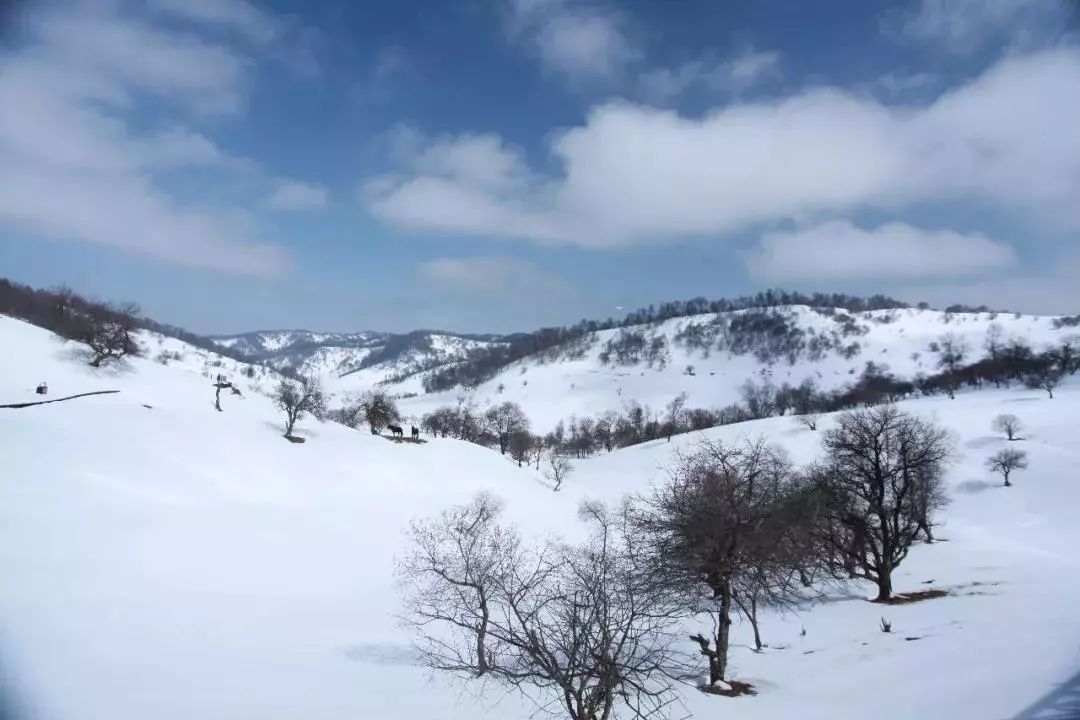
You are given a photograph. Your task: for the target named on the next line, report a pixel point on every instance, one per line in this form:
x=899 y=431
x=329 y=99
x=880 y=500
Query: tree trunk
x=925 y=527
x=884 y=582
x=723 y=633
x=481 y=637
x=754 y=624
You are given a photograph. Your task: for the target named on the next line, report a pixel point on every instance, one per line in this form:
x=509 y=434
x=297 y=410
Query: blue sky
x=496 y=165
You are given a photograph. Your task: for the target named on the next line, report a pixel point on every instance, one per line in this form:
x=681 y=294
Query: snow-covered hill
x=704 y=357
x=160 y=559
x=262 y=343
x=353 y=362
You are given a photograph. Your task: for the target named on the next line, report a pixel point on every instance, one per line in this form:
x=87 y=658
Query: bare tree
x=994 y=343
x=579 y=624
x=299 y=399
x=538 y=451
x=881 y=483
x=379 y=410
x=809 y=420
x=1004 y=462
x=108 y=331
x=675 y=413
x=952 y=350
x=1067 y=354
x=348 y=415
x=467 y=423
x=728 y=532
x=505 y=419
x=760 y=400
x=1045 y=378
x=558 y=466
x=442 y=420
x=1008 y=424
x=521 y=444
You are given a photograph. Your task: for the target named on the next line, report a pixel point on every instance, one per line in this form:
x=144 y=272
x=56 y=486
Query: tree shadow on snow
x=279 y=428
x=982 y=442
x=1062 y=703
x=382 y=654
x=972 y=487
x=82 y=356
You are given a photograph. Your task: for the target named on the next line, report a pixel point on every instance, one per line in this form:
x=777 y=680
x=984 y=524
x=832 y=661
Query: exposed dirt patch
x=735 y=689
x=913 y=597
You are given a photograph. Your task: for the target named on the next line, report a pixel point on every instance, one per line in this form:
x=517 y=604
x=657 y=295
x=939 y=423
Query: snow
x=552 y=391
x=335 y=358
x=176 y=562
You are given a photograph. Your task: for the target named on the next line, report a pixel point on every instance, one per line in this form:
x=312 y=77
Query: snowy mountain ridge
x=708 y=356
x=353 y=361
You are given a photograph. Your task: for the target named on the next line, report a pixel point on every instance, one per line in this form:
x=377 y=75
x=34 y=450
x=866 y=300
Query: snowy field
x=162 y=560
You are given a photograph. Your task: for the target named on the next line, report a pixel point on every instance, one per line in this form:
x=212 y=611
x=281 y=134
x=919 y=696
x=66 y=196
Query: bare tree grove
x=576 y=628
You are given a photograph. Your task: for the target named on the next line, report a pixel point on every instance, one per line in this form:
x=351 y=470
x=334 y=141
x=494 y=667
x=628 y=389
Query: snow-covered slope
x=403 y=368
x=349 y=363
x=576 y=381
x=174 y=562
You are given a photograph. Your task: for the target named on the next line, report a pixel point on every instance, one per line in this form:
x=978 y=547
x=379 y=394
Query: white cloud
x=239 y=15
x=963 y=26
x=283 y=38
x=133 y=56
x=633 y=174
x=472 y=183
x=902 y=86
x=733 y=75
x=73 y=168
x=180 y=147
x=121 y=211
x=1056 y=292
x=838 y=250
x=295 y=195
x=581 y=41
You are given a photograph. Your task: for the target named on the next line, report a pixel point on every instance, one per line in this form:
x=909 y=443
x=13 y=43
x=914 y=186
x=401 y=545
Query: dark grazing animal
x=415 y=432
x=396 y=430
